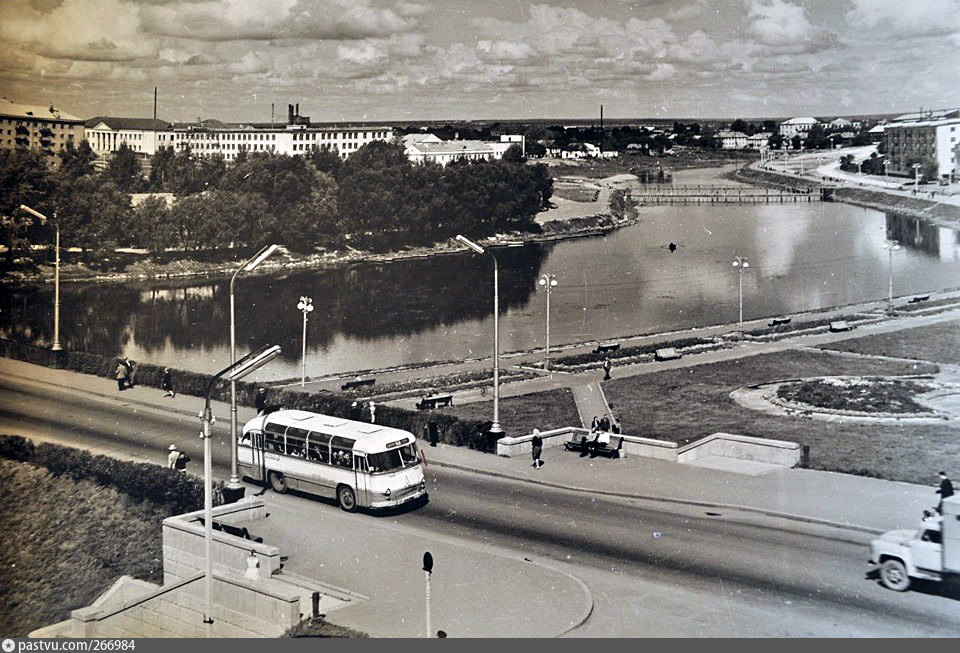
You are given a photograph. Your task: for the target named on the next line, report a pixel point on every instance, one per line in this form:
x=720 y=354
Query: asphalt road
x=653 y=570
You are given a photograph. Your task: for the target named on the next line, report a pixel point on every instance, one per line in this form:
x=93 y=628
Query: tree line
x=374 y=200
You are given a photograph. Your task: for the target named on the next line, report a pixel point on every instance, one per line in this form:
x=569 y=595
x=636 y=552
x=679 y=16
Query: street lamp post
x=890 y=246
x=305 y=305
x=495 y=429
x=741 y=263
x=235 y=371
x=56 y=277
x=233 y=485
x=548 y=281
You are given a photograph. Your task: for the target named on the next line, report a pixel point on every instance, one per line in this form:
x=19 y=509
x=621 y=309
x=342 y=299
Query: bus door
x=258 y=468
x=362 y=473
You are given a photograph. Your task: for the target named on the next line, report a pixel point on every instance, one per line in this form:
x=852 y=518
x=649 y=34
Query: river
x=802 y=256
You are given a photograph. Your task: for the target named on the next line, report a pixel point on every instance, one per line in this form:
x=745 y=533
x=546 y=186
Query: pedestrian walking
x=537 y=450
x=167 y=383
x=433 y=432
x=177 y=460
x=356 y=413
x=606 y=369
x=131 y=371
x=373 y=413
x=122 y=375
x=261 y=400
x=945 y=490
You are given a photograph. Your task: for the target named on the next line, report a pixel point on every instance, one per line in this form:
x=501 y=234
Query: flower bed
x=870 y=395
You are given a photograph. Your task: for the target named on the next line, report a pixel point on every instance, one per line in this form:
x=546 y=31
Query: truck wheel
x=346 y=498
x=278 y=482
x=894 y=575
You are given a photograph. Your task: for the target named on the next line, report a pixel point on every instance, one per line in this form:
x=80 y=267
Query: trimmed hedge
x=628 y=352
x=140 y=481
x=452 y=431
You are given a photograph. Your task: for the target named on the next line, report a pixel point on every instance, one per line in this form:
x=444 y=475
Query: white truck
x=930 y=552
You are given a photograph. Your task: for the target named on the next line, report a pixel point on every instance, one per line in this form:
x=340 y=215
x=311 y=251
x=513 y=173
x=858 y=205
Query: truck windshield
x=394 y=459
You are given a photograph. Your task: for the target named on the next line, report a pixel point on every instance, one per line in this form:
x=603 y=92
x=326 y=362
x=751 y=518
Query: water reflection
x=803 y=257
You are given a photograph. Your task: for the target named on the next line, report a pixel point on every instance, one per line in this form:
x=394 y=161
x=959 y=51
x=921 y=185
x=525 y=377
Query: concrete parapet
x=511 y=447
x=743 y=447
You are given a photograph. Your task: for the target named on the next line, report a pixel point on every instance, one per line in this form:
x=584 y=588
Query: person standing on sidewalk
x=131 y=372
x=537 y=450
x=261 y=400
x=373 y=413
x=606 y=369
x=122 y=375
x=433 y=432
x=167 y=383
x=177 y=460
x=946 y=490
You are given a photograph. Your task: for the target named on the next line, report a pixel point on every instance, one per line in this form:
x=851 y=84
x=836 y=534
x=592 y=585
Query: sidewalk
x=865 y=504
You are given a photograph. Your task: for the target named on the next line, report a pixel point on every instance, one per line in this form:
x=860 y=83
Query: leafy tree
x=124 y=170
x=796 y=142
x=151 y=225
x=622 y=205
x=314 y=220
x=93 y=215
x=536 y=149
x=160 y=169
x=24 y=179
x=514 y=154
x=76 y=162
x=325 y=160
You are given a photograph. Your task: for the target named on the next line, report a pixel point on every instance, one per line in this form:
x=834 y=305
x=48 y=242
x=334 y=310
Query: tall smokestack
x=289 y=114
x=601 y=128
x=154 y=102
x=271 y=114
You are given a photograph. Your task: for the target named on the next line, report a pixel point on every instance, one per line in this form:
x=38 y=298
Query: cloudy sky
x=478 y=59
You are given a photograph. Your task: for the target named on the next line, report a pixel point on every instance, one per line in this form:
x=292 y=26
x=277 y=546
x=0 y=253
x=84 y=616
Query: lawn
x=936 y=342
x=688 y=403
x=520 y=415
x=65 y=542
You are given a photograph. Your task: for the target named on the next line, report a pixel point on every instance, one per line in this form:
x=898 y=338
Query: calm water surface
x=802 y=256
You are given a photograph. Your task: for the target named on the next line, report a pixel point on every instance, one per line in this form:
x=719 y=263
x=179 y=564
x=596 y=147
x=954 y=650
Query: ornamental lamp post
x=741 y=263
x=495 y=429
x=234 y=372
x=234 y=489
x=306 y=306
x=548 y=281
x=56 y=278
x=890 y=246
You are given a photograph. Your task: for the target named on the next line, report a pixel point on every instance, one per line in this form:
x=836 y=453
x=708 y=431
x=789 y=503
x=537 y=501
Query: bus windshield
x=394 y=459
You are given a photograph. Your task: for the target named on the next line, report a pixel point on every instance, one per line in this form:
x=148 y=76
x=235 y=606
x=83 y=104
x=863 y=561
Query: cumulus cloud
x=776 y=22
x=899 y=19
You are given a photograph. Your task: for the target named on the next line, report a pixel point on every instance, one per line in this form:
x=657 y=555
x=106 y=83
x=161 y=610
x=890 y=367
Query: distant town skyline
x=402 y=60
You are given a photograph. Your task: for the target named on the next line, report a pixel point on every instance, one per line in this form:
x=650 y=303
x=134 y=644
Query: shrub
x=628 y=352
x=140 y=481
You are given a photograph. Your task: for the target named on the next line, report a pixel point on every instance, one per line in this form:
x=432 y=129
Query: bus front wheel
x=278 y=482
x=346 y=498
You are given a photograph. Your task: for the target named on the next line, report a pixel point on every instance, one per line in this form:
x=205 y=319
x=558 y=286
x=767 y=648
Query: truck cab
x=929 y=552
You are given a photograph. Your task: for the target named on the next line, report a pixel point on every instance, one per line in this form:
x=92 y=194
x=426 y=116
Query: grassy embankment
x=684 y=404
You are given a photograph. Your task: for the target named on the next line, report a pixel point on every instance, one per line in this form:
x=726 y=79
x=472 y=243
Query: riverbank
x=137 y=265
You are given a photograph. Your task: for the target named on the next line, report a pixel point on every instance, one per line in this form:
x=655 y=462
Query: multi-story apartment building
x=758 y=141
x=37 y=127
x=932 y=143
x=732 y=140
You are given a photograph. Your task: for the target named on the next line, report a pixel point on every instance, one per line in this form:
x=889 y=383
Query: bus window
x=297 y=442
x=393 y=459
x=341 y=457
x=274 y=437
x=361 y=463
x=318 y=447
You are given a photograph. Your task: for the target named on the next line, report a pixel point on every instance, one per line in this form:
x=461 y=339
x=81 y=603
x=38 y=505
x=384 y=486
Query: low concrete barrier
x=743 y=447
x=511 y=447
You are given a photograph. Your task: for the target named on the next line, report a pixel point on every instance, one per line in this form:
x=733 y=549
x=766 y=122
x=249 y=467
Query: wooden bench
x=918 y=299
x=236 y=531
x=841 y=325
x=666 y=354
x=593 y=448
x=357 y=383
x=780 y=321
x=606 y=347
x=433 y=401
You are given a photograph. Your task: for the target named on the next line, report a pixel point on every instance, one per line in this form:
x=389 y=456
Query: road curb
x=687 y=502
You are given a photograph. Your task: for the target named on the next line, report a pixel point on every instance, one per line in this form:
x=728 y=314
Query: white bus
x=357 y=463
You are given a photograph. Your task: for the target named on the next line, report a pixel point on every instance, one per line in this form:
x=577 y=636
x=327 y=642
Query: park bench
x=666 y=354
x=779 y=321
x=841 y=325
x=358 y=383
x=606 y=347
x=593 y=448
x=919 y=298
x=432 y=401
